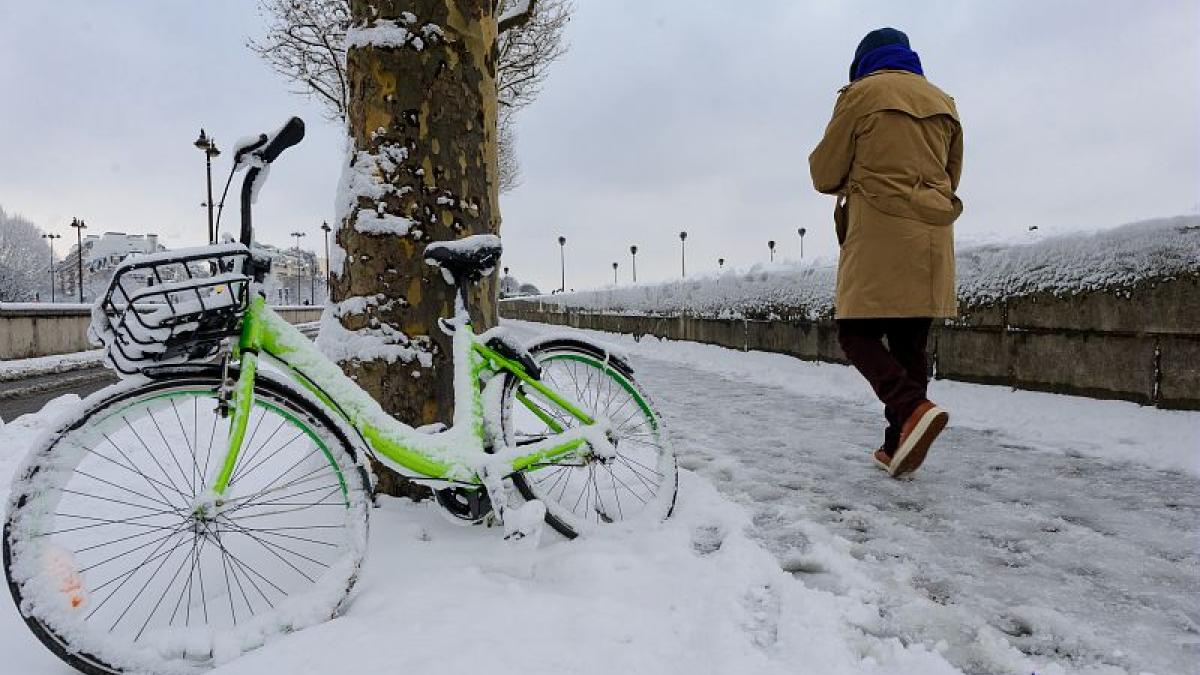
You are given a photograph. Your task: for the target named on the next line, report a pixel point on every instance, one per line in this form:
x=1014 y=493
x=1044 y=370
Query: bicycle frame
x=458 y=454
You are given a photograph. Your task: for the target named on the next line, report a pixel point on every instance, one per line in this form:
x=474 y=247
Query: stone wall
x=1139 y=344
x=27 y=331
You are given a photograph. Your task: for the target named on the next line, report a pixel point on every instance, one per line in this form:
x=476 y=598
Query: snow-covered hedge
x=1113 y=260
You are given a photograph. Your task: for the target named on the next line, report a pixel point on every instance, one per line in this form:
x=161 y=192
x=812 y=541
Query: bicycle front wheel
x=120 y=561
x=583 y=494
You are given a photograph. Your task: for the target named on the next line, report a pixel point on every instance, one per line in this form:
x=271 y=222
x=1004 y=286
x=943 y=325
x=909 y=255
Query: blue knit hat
x=874 y=40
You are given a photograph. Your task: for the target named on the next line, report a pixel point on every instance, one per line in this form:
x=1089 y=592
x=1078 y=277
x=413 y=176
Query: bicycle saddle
x=467 y=259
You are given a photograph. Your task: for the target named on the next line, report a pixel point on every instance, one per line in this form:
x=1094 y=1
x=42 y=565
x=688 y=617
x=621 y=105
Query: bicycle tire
x=53 y=589
x=652 y=474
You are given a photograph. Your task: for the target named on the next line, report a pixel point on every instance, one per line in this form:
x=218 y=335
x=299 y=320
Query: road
x=27 y=395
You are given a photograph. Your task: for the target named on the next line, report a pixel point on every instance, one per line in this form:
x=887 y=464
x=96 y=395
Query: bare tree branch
x=516 y=16
x=305 y=42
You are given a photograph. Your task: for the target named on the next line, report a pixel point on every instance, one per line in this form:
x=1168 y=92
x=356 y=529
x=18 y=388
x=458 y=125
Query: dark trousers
x=898 y=372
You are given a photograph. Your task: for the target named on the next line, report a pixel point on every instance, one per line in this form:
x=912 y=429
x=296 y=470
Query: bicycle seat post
x=461 y=316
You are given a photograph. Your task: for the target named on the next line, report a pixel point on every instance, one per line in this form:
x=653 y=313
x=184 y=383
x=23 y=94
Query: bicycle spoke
x=225 y=567
x=167 y=446
x=616 y=495
x=118 y=556
x=188 y=443
x=649 y=488
x=102 y=522
x=153 y=458
x=132 y=468
x=164 y=595
x=143 y=588
x=269 y=547
x=129 y=575
x=266 y=459
x=122 y=487
x=626 y=486
x=110 y=499
x=240 y=472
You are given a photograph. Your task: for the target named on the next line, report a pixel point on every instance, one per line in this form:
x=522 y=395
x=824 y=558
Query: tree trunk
x=422 y=167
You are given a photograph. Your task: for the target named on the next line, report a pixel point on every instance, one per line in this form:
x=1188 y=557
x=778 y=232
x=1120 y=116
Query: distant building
x=297 y=276
x=101 y=255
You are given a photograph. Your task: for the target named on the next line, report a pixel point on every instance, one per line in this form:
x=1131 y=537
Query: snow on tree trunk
x=422 y=167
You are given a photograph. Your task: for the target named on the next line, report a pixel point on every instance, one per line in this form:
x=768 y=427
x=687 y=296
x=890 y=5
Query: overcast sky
x=664 y=116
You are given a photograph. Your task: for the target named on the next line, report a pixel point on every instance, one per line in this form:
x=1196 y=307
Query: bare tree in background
x=24 y=259
x=306 y=43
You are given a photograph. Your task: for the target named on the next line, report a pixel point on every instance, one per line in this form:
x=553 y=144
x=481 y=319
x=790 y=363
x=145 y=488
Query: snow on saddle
x=467 y=259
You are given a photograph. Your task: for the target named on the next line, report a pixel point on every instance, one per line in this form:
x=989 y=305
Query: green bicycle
x=219 y=494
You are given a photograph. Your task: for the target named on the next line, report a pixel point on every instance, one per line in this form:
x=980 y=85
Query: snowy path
x=1085 y=561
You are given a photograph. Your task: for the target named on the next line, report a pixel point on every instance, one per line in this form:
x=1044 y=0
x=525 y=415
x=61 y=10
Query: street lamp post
x=51 y=237
x=633 y=254
x=209 y=147
x=328 y=271
x=771 y=246
x=299 y=262
x=683 y=254
x=614 y=274
x=79 y=228
x=562 y=258
x=802 y=232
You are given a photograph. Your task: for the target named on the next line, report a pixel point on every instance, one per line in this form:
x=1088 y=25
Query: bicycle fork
x=235 y=400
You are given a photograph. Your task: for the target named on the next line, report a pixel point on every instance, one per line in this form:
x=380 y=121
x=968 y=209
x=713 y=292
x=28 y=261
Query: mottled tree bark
x=422 y=168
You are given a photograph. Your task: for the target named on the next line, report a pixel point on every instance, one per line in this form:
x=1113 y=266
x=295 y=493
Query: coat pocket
x=841 y=218
x=933 y=202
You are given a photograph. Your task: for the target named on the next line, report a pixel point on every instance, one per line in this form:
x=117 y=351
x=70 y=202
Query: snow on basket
x=171 y=307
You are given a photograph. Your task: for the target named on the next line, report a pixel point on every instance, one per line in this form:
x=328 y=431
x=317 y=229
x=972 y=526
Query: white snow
x=16 y=369
x=371 y=222
x=381 y=33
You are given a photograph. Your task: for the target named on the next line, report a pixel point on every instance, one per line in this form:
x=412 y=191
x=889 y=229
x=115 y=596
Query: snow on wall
x=1065 y=265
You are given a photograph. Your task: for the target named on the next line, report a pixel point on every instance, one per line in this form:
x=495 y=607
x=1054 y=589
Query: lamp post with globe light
x=299 y=263
x=51 y=238
x=683 y=254
x=209 y=147
x=79 y=228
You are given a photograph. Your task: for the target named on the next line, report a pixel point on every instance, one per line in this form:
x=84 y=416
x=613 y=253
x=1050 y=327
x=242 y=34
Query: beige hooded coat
x=894 y=150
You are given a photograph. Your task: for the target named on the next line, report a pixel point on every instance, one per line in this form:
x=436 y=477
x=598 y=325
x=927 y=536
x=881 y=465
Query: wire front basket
x=172 y=307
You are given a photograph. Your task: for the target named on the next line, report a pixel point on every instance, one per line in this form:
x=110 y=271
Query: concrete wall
x=27 y=331
x=1139 y=344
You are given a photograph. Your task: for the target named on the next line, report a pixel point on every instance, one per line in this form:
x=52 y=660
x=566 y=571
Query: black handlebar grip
x=248 y=149
x=291 y=134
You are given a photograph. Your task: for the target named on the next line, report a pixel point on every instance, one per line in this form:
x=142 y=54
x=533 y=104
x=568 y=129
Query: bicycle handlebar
x=288 y=135
x=267 y=149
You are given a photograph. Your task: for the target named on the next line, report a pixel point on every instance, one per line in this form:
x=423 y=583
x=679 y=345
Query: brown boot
x=883 y=460
x=918 y=433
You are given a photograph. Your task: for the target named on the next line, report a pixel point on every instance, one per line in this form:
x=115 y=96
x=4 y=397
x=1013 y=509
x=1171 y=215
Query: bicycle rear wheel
x=581 y=495
x=119 y=561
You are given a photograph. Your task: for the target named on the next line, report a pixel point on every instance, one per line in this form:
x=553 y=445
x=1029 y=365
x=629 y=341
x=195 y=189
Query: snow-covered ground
x=1047 y=534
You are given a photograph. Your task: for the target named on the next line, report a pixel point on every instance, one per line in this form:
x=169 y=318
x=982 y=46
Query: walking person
x=892 y=153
